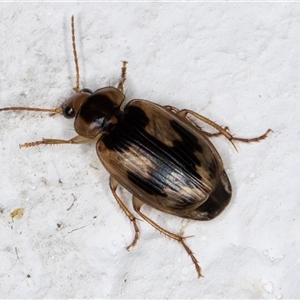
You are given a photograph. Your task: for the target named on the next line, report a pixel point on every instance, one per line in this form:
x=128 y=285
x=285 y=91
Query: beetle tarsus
x=136 y=236
x=137 y=204
x=256 y=139
x=191 y=254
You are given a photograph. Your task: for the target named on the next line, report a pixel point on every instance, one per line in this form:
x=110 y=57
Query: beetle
x=157 y=153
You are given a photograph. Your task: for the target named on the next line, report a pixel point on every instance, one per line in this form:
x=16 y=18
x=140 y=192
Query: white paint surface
x=236 y=63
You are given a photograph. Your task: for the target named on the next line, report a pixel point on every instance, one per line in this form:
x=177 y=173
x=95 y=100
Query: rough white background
x=236 y=63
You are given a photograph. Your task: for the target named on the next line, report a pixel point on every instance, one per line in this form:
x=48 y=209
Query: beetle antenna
x=53 y=111
x=75 y=55
x=123 y=76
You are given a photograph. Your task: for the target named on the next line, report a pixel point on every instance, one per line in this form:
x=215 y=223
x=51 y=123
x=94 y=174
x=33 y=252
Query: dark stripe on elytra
x=187 y=146
x=164 y=153
x=151 y=187
x=130 y=132
x=187 y=137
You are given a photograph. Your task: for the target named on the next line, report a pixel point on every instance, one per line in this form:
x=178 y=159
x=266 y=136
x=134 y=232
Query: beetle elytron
x=155 y=152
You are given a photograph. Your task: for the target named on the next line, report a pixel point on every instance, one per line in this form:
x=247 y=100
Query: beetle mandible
x=157 y=153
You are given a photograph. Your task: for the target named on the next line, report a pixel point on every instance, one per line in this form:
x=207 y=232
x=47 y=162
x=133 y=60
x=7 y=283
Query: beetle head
x=71 y=107
x=94 y=113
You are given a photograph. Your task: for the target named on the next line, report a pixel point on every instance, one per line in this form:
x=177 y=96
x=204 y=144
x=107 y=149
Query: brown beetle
x=157 y=153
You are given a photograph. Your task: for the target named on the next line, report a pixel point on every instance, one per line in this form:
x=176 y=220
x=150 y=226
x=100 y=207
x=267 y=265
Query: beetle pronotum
x=157 y=153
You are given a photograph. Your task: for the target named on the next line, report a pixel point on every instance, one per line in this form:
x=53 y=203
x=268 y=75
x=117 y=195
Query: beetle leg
x=75 y=140
x=176 y=111
x=113 y=184
x=183 y=113
x=137 y=204
x=123 y=76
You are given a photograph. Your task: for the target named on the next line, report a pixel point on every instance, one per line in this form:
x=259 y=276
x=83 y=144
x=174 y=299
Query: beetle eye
x=86 y=91
x=68 y=112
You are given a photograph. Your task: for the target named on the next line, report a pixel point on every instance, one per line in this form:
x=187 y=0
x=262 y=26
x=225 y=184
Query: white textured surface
x=236 y=63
